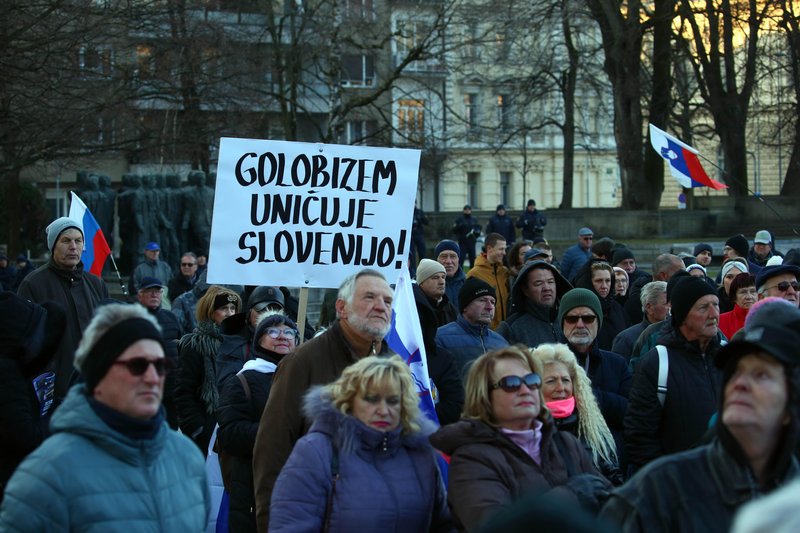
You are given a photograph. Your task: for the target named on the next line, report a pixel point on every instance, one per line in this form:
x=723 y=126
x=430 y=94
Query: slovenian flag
x=684 y=164
x=405 y=339
x=95 y=249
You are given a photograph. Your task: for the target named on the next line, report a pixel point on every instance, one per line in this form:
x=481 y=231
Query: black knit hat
x=473 y=289
x=739 y=244
x=621 y=254
x=684 y=295
x=447 y=244
x=702 y=247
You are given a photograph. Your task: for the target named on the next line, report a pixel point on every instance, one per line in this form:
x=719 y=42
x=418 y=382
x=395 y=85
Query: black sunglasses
x=783 y=286
x=139 y=365
x=573 y=319
x=514 y=383
x=188 y=264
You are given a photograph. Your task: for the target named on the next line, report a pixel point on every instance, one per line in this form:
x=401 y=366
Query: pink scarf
x=561 y=408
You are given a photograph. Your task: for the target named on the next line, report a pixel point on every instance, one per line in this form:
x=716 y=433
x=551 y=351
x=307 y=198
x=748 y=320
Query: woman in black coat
x=196 y=393
x=240 y=406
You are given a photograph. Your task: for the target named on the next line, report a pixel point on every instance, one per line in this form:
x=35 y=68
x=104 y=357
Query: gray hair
x=104 y=319
x=650 y=293
x=347 y=289
x=189 y=254
x=664 y=261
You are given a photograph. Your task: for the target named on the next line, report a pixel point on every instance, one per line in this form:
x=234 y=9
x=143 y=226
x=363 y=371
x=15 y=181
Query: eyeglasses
x=783 y=286
x=277 y=332
x=188 y=264
x=573 y=319
x=514 y=383
x=587 y=238
x=139 y=365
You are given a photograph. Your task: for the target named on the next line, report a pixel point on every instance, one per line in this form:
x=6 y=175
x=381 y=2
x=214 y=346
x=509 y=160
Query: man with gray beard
x=364 y=316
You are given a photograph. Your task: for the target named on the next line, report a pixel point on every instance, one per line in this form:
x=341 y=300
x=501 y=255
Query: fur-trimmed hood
x=349 y=434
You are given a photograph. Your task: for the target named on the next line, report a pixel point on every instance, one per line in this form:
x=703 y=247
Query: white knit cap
x=427 y=268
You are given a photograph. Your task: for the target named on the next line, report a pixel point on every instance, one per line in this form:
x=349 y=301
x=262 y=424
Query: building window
x=360 y=132
x=472 y=41
x=411 y=119
x=360 y=9
x=145 y=63
x=97 y=60
x=505 y=187
x=472 y=188
x=504 y=119
x=471 y=112
x=502 y=45
x=358 y=71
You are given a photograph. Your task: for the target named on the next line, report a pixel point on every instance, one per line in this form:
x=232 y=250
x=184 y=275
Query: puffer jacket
x=386 y=482
x=89 y=477
x=488 y=470
x=464 y=342
x=498 y=277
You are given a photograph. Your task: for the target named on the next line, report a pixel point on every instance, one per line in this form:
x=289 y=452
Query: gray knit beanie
x=579 y=298
x=57 y=227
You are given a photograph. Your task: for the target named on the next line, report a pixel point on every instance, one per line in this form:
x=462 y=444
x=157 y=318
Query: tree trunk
x=569 y=79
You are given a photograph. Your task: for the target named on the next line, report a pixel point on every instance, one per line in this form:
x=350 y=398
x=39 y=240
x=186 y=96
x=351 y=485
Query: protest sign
x=309 y=215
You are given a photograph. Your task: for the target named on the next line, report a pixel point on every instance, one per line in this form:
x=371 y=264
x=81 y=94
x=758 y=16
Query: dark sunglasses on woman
x=514 y=383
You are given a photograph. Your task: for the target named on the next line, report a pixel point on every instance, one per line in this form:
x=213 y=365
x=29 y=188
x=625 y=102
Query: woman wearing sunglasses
x=240 y=406
x=507 y=446
x=366 y=463
x=112 y=462
x=196 y=393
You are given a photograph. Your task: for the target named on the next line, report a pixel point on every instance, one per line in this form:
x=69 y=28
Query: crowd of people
x=587 y=388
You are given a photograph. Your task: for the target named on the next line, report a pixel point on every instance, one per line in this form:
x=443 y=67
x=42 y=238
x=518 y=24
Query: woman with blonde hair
x=568 y=396
x=507 y=446
x=365 y=464
x=196 y=392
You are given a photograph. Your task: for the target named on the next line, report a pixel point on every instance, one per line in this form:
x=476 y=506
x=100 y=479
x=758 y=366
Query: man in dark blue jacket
x=501 y=223
x=448 y=254
x=532 y=222
x=467 y=230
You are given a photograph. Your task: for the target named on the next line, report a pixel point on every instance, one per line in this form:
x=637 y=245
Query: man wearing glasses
x=580 y=316
x=112 y=463
x=185 y=279
x=779 y=281
x=576 y=255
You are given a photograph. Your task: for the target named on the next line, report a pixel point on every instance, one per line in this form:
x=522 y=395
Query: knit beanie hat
x=427 y=268
x=447 y=244
x=702 y=247
x=739 y=244
x=621 y=254
x=57 y=227
x=741 y=265
x=676 y=277
x=684 y=295
x=473 y=289
x=580 y=298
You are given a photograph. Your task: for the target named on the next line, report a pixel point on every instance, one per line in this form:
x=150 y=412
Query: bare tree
x=790 y=23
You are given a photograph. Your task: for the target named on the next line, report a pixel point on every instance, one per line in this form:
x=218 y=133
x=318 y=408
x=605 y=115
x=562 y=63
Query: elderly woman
x=615 y=319
x=365 y=464
x=507 y=445
x=196 y=393
x=743 y=290
x=621 y=284
x=240 y=406
x=730 y=269
x=568 y=396
x=750 y=455
x=112 y=462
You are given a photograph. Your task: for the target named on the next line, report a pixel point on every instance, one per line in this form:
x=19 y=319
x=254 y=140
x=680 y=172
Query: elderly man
x=675 y=392
x=112 y=464
x=489 y=267
x=762 y=251
x=149 y=296
x=779 y=281
x=63 y=280
x=578 y=254
x=534 y=303
x=623 y=258
x=364 y=312
x=469 y=336
x=580 y=316
x=448 y=254
x=152 y=267
x=184 y=281
x=664 y=267
x=654 y=308
x=750 y=454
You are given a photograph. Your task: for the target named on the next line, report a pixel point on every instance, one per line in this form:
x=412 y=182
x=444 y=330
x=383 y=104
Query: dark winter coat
x=453 y=285
x=464 y=342
x=573 y=259
x=610 y=469
x=171 y=331
x=696 y=490
x=614 y=321
x=239 y=414
x=196 y=393
x=22 y=273
x=625 y=339
x=386 y=481
x=488 y=470
x=237 y=338
x=693 y=385
x=79 y=293
x=504 y=226
x=532 y=224
x=633 y=305
x=179 y=284
x=155 y=269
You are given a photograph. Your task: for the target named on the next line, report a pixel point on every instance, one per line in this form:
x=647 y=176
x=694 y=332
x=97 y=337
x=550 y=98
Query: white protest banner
x=309 y=215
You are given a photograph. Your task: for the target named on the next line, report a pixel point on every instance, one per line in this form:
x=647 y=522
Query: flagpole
x=757 y=195
x=122 y=286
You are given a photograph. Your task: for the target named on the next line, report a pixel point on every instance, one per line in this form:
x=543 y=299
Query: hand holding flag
x=684 y=165
x=96 y=249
